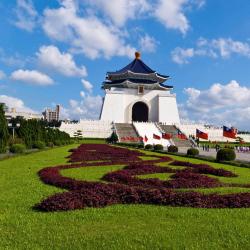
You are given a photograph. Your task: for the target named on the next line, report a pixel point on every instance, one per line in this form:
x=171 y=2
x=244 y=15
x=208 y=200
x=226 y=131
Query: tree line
x=30 y=133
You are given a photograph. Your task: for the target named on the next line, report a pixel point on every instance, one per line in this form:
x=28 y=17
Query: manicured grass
x=90 y=173
x=112 y=227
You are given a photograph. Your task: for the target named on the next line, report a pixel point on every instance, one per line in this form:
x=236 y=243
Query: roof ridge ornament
x=137 y=55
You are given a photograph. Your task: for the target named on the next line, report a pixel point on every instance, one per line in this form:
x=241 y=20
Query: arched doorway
x=140 y=112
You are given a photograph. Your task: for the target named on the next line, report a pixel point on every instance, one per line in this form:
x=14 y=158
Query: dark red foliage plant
x=126 y=187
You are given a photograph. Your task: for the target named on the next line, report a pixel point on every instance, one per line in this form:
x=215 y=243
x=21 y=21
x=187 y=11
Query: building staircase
x=125 y=131
x=171 y=129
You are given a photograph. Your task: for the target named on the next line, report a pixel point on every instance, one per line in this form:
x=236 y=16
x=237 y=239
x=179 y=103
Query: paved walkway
x=212 y=152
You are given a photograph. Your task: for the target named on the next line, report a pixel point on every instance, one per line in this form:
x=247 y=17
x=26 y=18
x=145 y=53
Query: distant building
x=12 y=113
x=52 y=115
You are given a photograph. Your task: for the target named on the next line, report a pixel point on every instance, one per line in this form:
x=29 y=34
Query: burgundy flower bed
x=126 y=188
x=102 y=152
x=204 y=169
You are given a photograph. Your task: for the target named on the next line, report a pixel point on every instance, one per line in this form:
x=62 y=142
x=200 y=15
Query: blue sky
x=58 y=51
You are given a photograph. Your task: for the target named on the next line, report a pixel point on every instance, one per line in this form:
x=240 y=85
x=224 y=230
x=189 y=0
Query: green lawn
x=113 y=227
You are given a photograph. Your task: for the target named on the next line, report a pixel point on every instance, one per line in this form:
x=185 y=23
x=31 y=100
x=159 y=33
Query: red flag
x=140 y=138
x=145 y=138
x=182 y=136
x=166 y=136
x=229 y=132
x=202 y=135
x=157 y=137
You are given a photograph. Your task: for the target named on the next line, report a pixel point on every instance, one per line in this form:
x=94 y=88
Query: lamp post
x=13 y=127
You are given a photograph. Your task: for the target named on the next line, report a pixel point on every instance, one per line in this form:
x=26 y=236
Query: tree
x=4 y=134
x=78 y=134
x=113 y=138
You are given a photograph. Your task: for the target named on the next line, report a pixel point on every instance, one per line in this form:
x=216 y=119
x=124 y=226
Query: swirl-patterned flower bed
x=125 y=186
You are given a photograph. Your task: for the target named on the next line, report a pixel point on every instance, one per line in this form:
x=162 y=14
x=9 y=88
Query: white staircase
x=148 y=129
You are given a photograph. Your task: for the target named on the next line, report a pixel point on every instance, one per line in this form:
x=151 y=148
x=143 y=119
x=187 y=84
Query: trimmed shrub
x=113 y=138
x=244 y=165
x=192 y=152
x=172 y=149
x=16 y=140
x=148 y=146
x=58 y=143
x=39 y=145
x=17 y=148
x=50 y=144
x=225 y=154
x=158 y=147
x=140 y=145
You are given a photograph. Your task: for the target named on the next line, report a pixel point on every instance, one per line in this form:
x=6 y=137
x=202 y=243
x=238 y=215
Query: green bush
x=192 y=151
x=148 y=146
x=158 y=147
x=15 y=140
x=58 y=143
x=140 y=145
x=17 y=148
x=225 y=154
x=113 y=138
x=172 y=149
x=244 y=165
x=50 y=144
x=39 y=145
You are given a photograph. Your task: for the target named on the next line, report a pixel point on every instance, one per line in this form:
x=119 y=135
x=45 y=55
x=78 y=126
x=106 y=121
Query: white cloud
x=147 y=43
x=2 y=75
x=171 y=14
x=119 y=11
x=214 y=48
x=181 y=56
x=26 y=15
x=87 y=85
x=52 y=58
x=32 y=77
x=87 y=108
x=13 y=102
x=226 y=47
x=219 y=104
x=85 y=34
x=82 y=94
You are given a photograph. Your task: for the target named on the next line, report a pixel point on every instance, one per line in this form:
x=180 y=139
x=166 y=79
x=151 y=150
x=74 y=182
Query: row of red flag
x=165 y=136
x=227 y=132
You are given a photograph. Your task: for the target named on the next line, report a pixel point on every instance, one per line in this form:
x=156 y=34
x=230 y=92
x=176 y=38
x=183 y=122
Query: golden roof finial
x=137 y=55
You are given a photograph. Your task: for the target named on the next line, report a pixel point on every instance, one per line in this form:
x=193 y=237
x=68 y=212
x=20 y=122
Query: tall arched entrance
x=140 y=112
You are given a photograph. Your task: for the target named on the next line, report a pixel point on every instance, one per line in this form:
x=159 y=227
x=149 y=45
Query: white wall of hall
x=118 y=103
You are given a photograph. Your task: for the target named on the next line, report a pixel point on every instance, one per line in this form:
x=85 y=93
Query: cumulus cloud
x=219 y=104
x=181 y=56
x=87 y=108
x=13 y=102
x=171 y=14
x=51 y=57
x=147 y=43
x=85 y=34
x=26 y=15
x=214 y=48
x=226 y=47
x=32 y=77
x=87 y=85
x=82 y=94
x=119 y=11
